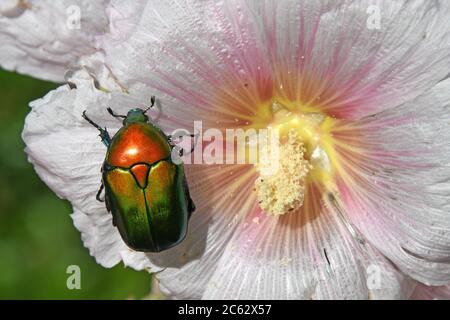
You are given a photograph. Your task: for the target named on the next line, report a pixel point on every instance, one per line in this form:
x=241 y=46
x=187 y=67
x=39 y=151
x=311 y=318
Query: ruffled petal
x=320 y=53
x=342 y=62
x=194 y=56
x=43 y=39
x=423 y=292
x=302 y=257
x=396 y=187
x=221 y=194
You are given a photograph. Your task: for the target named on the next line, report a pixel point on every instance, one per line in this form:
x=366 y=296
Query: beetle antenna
x=111 y=112
x=152 y=100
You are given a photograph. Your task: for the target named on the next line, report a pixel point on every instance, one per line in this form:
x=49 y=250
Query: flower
x=360 y=88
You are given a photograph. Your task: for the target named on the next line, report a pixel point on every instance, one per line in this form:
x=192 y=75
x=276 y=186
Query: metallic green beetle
x=145 y=190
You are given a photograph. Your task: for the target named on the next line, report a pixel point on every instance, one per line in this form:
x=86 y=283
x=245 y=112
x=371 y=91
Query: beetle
x=145 y=191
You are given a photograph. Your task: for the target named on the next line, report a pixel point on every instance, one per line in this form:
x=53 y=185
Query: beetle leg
x=152 y=101
x=192 y=135
x=108 y=208
x=99 y=192
x=191 y=205
x=104 y=135
x=152 y=106
x=181 y=152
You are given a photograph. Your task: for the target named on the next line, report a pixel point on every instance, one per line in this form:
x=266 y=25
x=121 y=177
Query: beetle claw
x=152 y=103
x=99 y=192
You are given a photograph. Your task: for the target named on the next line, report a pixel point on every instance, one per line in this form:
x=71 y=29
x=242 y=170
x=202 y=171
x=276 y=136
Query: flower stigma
x=303 y=156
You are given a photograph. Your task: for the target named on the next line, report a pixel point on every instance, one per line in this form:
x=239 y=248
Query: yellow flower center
x=305 y=155
x=283 y=190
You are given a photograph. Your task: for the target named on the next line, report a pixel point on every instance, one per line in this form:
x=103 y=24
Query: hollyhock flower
x=359 y=89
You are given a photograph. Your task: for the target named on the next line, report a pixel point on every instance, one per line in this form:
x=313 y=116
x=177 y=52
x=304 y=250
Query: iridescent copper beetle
x=146 y=192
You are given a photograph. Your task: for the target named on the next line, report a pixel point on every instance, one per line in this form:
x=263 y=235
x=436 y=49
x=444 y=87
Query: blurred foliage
x=37 y=238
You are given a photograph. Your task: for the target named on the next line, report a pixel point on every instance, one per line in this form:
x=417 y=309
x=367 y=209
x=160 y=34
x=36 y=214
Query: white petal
x=346 y=62
x=402 y=204
x=186 y=53
x=41 y=38
x=221 y=194
x=322 y=52
x=423 y=292
x=309 y=257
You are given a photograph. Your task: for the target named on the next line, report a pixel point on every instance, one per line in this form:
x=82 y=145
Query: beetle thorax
x=137 y=143
x=135 y=115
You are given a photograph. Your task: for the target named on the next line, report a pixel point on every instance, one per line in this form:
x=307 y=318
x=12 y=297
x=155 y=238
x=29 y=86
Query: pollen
x=282 y=190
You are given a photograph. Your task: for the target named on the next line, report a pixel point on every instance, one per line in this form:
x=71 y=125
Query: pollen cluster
x=283 y=190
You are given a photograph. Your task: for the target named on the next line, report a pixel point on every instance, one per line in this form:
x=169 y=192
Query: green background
x=38 y=240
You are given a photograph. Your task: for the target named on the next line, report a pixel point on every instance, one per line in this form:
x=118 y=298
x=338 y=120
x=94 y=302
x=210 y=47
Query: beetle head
x=135 y=115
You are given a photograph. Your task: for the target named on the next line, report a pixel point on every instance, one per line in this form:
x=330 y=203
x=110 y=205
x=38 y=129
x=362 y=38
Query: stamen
x=283 y=191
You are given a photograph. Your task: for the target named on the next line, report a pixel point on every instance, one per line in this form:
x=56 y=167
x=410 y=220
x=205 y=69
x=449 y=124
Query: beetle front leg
x=104 y=135
x=152 y=103
x=192 y=135
x=181 y=151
